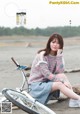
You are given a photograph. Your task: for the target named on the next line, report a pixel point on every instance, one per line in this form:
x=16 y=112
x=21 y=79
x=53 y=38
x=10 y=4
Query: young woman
x=47 y=73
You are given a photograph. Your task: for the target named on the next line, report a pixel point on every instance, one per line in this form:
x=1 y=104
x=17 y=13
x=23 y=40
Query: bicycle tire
x=26 y=103
x=13 y=96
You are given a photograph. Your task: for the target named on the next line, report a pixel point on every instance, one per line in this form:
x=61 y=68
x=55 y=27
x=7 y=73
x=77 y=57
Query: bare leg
x=65 y=90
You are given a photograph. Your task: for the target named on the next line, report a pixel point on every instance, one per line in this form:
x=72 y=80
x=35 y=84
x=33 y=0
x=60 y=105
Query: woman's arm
x=40 y=67
x=44 y=70
x=60 y=66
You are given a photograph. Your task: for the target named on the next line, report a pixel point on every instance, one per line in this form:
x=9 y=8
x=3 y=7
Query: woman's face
x=54 y=45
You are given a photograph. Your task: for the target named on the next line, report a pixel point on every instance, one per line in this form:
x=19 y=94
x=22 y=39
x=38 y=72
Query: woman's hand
x=59 y=52
x=63 y=78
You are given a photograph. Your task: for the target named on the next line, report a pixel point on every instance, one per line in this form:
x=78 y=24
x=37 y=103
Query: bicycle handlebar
x=16 y=63
x=19 y=66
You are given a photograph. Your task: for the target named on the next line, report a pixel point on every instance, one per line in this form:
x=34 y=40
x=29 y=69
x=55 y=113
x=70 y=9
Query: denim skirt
x=41 y=91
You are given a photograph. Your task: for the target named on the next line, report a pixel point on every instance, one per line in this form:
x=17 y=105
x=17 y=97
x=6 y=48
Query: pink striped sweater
x=46 y=67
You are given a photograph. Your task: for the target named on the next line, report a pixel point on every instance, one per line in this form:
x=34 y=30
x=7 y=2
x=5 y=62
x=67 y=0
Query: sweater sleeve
x=43 y=68
x=60 y=66
x=41 y=64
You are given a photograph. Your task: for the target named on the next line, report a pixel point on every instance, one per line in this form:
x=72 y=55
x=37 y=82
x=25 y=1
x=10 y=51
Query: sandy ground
x=23 y=49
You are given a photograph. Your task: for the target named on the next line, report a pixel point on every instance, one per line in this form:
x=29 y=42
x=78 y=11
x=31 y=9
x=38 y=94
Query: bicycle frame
x=24 y=76
x=24 y=85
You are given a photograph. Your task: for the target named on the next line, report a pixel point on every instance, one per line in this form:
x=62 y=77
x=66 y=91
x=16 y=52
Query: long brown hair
x=52 y=37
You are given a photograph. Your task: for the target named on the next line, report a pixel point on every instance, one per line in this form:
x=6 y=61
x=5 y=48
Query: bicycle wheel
x=19 y=100
x=26 y=103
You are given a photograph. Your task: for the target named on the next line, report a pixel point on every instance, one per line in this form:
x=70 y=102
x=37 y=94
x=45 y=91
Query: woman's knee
x=57 y=86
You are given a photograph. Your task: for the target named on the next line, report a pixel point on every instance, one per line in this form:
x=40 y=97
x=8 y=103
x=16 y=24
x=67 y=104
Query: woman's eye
x=53 y=42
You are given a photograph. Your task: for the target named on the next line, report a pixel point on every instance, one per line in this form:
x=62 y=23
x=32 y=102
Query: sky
x=40 y=13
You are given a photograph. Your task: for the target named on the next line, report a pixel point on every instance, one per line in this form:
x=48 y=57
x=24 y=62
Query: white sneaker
x=74 y=103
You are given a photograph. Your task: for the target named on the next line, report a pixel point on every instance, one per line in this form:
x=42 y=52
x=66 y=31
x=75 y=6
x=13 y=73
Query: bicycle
x=21 y=97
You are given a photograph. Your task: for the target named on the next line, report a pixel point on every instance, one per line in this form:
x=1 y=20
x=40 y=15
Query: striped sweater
x=46 y=67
